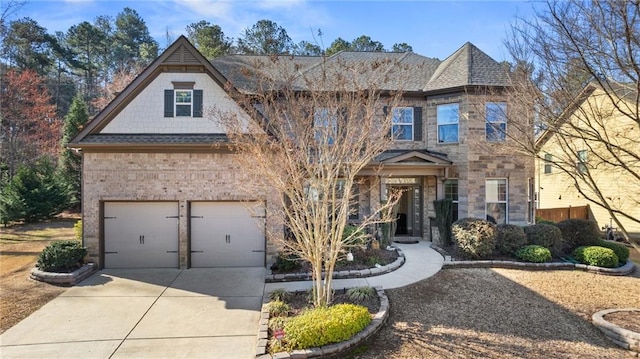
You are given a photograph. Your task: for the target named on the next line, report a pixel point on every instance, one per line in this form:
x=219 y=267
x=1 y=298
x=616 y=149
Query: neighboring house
x=574 y=162
x=161 y=189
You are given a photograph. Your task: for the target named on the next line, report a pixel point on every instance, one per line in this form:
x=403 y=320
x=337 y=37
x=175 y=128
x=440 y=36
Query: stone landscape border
x=304 y=276
x=626 y=269
x=64 y=279
x=330 y=350
x=624 y=338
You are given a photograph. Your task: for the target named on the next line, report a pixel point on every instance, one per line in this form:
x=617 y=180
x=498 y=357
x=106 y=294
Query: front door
x=409 y=218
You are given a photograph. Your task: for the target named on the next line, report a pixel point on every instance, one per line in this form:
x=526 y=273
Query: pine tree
x=70 y=162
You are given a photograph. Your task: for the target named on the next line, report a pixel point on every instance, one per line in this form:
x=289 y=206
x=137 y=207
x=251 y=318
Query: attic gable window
x=183 y=100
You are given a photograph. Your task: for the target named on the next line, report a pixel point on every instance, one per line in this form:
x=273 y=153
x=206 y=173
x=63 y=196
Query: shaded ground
x=502 y=313
x=19 y=249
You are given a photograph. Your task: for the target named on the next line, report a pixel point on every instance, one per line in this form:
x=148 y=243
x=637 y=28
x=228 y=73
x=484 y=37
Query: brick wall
x=180 y=177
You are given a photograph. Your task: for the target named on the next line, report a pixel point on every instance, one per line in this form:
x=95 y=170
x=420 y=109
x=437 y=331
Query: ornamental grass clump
x=360 y=294
x=596 y=256
x=534 y=253
x=474 y=237
x=509 y=238
x=325 y=325
x=61 y=256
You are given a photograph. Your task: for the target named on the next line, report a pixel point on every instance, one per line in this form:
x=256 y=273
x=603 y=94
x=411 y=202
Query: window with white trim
x=547 y=162
x=183 y=102
x=448 y=118
x=496 y=121
x=581 y=164
x=402 y=123
x=496 y=200
x=451 y=192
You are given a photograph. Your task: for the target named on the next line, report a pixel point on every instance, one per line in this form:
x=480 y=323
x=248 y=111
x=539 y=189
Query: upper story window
x=402 y=123
x=496 y=121
x=183 y=102
x=448 y=120
x=325 y=125
x=581 y=165
x=547 y=163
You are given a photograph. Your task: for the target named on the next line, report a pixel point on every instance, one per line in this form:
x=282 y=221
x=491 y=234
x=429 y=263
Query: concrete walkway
x=172 y=313
x=422 y=262
x=146 y=313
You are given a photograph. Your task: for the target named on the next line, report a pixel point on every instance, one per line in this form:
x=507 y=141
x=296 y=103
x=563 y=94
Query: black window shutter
x=197 y=103
x=417 y=123
x=385 y=110
x=168 y=103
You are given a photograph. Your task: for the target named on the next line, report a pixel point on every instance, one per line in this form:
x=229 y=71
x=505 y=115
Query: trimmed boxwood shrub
x=476 y=238
x=61 y=256
x=509 y=238
x=545 y=235
x=534 y=253
x=286 y=262
x=578 y=233
x=596 y=256
x=325 y=325
x=619 y=249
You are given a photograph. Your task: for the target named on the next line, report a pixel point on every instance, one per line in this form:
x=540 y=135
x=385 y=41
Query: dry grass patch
x=20 y=246
x=501 y=313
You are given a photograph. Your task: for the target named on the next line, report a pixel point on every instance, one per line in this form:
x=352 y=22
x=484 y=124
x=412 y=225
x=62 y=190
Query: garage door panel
x=227 y=234
x=141 y=234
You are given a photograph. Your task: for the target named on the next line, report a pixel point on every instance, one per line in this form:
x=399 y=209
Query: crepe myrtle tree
x=307 y=138
x=571 y=61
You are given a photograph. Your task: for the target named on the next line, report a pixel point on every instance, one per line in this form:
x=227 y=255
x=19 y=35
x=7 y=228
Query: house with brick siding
x=160 y=187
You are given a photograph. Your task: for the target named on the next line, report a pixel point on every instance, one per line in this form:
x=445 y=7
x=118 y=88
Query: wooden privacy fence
x=560 y=214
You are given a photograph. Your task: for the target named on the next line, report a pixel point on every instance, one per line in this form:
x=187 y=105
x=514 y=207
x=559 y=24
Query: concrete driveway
x=146 y=313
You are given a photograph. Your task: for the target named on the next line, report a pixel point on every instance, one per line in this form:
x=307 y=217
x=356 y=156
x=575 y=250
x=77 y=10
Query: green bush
x=354 y=236
x=578 y=233
x=360 y=294
x=61 y=256
x=474 y=237
x=619 y=249
x=596 y=256
x=77 y=227
x=325 y=325
x=286 y=262
x=444 y=217
x=545 y=235
x=509 y=238
x=534 y=253
x=544 y=221
x=278 y=308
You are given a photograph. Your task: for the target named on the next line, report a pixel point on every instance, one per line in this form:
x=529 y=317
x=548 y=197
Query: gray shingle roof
x=382 y=70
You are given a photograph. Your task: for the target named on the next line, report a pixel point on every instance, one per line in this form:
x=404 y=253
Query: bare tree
x=578 y=65
x=311 y=136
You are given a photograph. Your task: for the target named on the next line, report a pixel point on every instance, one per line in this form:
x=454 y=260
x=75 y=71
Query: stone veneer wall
x=180 y=177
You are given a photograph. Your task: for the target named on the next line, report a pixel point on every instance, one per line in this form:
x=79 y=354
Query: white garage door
x=141 y=234
x=227 y=234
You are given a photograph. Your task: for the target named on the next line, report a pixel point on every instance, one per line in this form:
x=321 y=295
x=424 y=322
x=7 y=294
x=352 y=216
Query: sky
x=433 y=28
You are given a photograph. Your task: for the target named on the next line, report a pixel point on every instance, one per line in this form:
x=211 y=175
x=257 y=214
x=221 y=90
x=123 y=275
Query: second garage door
x=227 y=234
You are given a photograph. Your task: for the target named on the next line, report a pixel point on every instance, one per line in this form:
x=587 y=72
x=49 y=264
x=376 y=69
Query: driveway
x=146 y=313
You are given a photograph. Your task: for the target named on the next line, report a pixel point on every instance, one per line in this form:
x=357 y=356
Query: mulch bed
x=627 y=320
x=363 y=259
x=299 y=301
